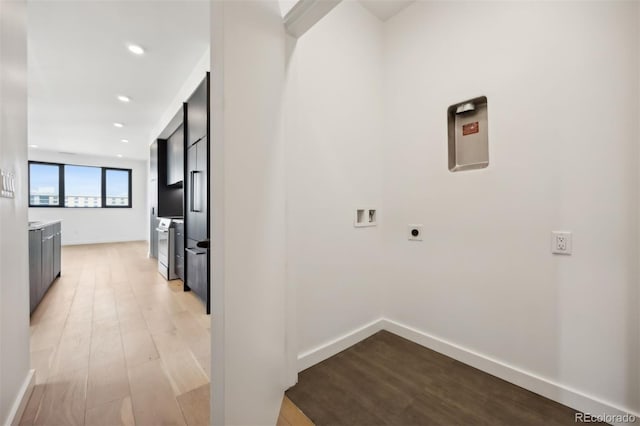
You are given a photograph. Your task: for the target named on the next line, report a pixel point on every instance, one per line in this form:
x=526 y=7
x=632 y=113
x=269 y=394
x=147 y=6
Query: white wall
x=14 y=266
x=562 y=84
x=92 y=226
x=191 y=83
x=248 y=214
x=334 y=166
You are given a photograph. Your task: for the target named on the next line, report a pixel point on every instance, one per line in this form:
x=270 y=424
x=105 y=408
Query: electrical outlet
x=415 y=232
x=561 y=242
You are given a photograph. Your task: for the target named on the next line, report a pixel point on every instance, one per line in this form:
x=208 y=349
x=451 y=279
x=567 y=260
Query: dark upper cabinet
x=175 y=157
x=169 y=197
x=197 y=113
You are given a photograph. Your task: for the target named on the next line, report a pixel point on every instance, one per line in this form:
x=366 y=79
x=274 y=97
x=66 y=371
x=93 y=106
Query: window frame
x=61 y=186
x=104 y=187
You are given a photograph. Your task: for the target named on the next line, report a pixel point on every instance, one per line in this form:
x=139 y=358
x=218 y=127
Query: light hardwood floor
x=290 y=415
x=113 y=343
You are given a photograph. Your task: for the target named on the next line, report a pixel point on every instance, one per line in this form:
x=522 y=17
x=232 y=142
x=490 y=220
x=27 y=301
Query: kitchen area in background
x=117 y=202
x=179 y=199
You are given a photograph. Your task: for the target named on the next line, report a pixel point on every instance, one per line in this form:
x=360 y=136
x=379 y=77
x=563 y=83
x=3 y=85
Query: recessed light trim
x=135 y=49
x=124 y=98
x=33 y=146
x=118 y=125
x=119 y=155
x=124 y=140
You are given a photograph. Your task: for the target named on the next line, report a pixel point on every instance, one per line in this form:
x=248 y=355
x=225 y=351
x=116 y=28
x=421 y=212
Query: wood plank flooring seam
x=133 y=413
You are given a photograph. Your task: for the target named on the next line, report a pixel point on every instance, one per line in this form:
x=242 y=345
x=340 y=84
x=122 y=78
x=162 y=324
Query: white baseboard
x=102 y=241
x=540 y=385
x=20 y=404
x=329 y=349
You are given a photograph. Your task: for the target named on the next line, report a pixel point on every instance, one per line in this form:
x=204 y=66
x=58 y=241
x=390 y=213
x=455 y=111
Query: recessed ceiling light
x=119 y=155
x=135 y=49
x=118 y=125
x=124 y=140
x=33 y=146
x=123 y=98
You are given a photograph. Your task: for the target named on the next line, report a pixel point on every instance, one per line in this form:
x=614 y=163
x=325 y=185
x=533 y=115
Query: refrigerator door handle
x=196 y=192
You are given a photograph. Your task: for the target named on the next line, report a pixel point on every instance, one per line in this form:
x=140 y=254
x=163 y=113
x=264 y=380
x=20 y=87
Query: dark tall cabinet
x=197 y=193
x=196 y=184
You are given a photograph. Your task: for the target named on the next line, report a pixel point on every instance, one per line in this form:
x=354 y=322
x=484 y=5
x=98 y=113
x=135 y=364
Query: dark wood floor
x=388 y=380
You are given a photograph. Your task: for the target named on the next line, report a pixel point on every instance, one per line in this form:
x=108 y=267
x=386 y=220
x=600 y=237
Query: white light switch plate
x=7 y=184
x=561 y=242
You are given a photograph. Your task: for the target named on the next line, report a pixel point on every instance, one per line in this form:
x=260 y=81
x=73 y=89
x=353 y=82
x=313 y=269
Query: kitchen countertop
x=173 y=218
x=35 y=225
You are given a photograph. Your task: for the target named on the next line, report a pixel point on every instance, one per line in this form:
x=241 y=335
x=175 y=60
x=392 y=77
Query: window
x=74 y=186
x=117 y=184
x=44 y=184
x=82 y=186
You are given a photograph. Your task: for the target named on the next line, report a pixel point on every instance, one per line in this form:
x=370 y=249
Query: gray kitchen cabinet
x=45 y=248
x=57 y=250
x=47 y=264
x=35 y=267
x=175 y=157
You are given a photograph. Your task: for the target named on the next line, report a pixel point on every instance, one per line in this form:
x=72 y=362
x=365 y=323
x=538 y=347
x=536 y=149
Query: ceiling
x=79 y=63
x=385 y=9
